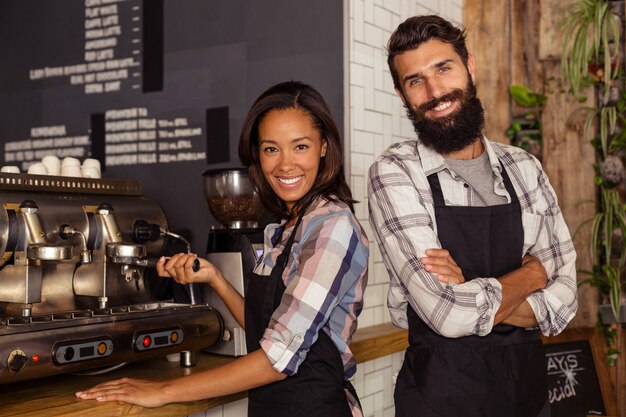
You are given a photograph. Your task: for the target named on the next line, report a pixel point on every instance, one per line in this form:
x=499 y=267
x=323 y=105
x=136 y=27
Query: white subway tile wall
x=376 y=115
x=375 y=119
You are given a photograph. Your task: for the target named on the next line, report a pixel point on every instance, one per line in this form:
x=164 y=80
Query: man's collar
x=433 y=161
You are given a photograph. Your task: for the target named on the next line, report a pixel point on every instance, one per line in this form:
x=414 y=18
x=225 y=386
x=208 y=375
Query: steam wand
x=196 y=263
x=144 y=231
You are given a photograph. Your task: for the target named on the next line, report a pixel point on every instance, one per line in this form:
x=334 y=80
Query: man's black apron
x=502 y=374
x=317 y=389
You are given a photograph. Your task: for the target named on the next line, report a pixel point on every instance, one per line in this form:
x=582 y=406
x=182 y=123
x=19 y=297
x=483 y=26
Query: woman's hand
x=440 y=263
x=133 y=391
x=180 y=267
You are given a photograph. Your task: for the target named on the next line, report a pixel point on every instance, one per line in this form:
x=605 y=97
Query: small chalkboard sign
x=578 y=377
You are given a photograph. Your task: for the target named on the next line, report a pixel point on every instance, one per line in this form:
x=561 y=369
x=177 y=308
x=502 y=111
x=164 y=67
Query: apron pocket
x=451 y=382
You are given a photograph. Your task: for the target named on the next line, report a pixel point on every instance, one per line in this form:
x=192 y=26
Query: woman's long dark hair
x=330 y=182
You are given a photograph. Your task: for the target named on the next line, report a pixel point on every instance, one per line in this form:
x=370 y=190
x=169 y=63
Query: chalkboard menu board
x=157 y=90
x=577 y=375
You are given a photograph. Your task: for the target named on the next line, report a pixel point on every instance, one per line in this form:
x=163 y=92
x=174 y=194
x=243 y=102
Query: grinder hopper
x=236 y=246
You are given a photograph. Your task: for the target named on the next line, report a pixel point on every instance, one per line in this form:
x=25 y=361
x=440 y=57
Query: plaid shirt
x=325 y=278
x=403 y=218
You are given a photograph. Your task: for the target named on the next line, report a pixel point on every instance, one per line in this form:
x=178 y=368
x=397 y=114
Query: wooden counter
x=54 y=396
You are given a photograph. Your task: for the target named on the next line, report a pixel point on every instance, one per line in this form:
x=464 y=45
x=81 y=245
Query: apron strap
x=276 y=280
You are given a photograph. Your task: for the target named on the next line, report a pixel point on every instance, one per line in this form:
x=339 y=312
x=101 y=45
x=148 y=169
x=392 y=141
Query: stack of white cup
x=91 y=168
x=69 y=167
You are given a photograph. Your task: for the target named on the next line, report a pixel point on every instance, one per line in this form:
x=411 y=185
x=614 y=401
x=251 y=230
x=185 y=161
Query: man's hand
x=440 y=263
x=516 y=287
x=536 y=272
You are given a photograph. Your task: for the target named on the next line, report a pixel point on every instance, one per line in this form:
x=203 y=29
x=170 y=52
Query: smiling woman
x=309 y=117
x=306 y=292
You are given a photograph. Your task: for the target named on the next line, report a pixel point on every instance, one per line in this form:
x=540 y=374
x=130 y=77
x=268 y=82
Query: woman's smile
x=290 y=182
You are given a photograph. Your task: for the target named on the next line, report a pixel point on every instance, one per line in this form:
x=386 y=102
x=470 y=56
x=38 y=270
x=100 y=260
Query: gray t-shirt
x=477 y=174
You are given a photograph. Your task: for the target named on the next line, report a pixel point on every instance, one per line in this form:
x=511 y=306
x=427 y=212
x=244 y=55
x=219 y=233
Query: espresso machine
x=235 y=246
x=73 y=289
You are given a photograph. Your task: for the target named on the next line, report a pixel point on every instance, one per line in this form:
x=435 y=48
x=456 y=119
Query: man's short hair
x=418 y=29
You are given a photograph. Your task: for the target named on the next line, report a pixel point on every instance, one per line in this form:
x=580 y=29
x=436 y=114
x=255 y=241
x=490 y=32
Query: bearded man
x=480 y=259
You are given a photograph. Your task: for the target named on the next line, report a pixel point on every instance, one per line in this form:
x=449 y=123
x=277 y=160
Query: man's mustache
x=456 y=94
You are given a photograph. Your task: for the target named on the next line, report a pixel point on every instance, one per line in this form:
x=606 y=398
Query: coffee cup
x=52 y=163
x=37 y=169
x=90 y=172
x=70 y=161
x=92 y=163
x=71 y=171
x=10 y=169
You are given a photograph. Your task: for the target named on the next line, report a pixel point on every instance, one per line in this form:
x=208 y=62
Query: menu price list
x=112 y=49
x=133 y=137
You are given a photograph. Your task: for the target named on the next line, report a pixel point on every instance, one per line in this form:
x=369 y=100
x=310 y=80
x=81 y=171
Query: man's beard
x=455 y=131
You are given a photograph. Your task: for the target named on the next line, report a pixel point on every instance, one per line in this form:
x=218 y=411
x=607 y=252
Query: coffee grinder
x=235 y=246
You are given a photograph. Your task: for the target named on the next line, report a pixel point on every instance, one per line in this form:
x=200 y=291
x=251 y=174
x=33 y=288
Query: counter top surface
x=54 y=396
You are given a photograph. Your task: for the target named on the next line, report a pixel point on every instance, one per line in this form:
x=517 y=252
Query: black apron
x=317 y=389
x=502 y=374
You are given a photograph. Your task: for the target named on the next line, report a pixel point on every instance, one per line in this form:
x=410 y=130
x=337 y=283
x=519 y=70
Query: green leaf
x=525 y=97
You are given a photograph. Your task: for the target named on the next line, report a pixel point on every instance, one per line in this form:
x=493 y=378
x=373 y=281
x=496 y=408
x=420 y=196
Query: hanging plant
x=590 y=52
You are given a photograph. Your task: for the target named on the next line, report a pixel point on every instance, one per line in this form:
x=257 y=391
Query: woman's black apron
x=317 y=389
x=502 y=374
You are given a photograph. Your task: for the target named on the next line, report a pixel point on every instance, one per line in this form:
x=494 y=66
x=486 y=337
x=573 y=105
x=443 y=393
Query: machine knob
x=17 y=360
x=28 y=204
x=145 y=232
x=105 y=208
x=226 y=336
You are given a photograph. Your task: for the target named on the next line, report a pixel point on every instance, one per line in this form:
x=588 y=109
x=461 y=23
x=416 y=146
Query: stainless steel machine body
x=73 y=293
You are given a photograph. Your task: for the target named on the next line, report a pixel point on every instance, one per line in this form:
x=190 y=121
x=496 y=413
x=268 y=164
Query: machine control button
x=16 y=361
x=68 y=355
x=155 y=339
x=147 y=341
x=81 y=350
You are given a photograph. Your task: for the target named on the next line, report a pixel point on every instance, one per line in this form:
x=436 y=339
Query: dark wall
x=191 y=65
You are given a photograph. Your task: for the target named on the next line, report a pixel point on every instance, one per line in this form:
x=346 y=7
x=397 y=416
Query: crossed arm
x=402 y=221
x=517 y=285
